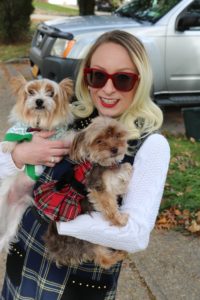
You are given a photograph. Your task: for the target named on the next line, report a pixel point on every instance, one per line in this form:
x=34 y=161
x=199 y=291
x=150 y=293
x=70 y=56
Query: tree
x=15 y=20
x=86 y=7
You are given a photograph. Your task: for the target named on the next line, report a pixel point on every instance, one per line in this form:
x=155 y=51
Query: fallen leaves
x=192 y=140
x=174 y=217
x=194 y=227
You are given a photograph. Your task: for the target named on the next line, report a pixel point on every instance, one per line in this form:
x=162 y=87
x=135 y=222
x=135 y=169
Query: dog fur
x=42 y=104
x=104 y=143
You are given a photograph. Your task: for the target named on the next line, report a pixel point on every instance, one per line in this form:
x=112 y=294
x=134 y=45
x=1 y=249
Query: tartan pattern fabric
x=40 y=279
x=64 y=204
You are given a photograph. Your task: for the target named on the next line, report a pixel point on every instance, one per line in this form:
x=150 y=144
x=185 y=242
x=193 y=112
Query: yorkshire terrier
x=41 y=105
x=104 y=144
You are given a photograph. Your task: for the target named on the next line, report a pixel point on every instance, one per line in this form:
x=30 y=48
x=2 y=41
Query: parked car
x=170 y=33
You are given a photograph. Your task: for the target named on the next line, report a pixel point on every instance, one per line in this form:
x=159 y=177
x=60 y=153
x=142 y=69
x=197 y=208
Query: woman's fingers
x=57 y=144
x=53 y=160
x=41 y=150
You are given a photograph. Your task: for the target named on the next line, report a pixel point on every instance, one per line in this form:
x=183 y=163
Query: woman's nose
x=109 y=87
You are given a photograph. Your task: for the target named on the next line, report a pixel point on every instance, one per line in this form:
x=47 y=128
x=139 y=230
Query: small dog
x=104 y=143
x=41 y=105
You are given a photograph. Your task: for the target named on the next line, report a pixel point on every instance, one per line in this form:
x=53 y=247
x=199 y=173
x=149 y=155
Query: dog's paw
x=106 y=258
x=8 y=147
x=120 y=219
x=128 y=168
x=124 y=178
x=123 y=219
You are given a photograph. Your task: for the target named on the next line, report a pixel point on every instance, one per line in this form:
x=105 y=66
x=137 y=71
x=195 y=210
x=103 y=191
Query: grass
x=183 y=182
x=21 y=50
x=18 y=50
x=55 y=9
x=14 y=51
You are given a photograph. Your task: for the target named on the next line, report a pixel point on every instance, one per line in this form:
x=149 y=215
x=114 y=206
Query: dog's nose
x=39 y=102
x=114 y=150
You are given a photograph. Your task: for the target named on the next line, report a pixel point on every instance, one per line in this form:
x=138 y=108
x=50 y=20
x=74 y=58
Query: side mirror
x=188 y=20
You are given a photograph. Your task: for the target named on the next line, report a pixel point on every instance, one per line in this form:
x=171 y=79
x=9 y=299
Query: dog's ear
x=17 y=83
x=78 y=147
x=66 y=87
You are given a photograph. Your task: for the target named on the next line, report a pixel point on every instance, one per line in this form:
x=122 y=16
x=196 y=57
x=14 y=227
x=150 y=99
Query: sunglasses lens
x=96 y=79
x=124 y=82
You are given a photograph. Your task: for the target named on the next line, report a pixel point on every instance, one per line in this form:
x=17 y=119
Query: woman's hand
x=40 y=151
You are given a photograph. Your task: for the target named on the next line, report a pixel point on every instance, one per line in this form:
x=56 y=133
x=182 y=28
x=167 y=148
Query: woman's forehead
x=112 y=56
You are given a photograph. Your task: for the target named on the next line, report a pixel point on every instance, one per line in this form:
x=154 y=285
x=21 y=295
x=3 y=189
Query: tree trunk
x=86 y=7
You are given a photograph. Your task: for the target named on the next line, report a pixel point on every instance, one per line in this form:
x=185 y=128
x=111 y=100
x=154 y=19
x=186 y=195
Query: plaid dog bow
x=60 y=199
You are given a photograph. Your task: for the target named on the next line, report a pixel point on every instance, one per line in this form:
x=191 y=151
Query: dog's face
x=42 y=103
x=104 y=142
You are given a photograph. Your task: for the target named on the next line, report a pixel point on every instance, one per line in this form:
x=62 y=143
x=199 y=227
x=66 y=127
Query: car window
x=145 y=10
x=194 y=7
x=190 y=17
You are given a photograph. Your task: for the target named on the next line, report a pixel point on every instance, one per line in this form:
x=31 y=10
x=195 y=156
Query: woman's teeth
x=109 y=101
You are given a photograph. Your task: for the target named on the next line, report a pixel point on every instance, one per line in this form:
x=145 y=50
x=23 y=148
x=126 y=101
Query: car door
x=182 y=61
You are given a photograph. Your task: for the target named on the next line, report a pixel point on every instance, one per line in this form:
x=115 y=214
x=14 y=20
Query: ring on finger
x=52 y=159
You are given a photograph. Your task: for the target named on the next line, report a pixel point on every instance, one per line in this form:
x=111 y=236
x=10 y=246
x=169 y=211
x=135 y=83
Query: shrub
x=15 y=20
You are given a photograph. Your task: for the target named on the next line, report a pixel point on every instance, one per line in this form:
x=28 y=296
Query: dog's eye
x=50 y=93
x=98 y=141
x=31 y=92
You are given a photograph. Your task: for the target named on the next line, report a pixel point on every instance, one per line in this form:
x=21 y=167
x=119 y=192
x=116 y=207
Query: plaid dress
x=59 y=191
x=30 y=275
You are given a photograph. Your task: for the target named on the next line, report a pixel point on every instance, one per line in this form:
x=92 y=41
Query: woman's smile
x=108 y=102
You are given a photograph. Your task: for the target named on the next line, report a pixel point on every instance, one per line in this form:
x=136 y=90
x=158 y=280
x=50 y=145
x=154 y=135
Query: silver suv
x=169 y=30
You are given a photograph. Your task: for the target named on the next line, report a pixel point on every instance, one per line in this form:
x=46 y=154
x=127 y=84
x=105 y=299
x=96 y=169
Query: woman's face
x=112 y=58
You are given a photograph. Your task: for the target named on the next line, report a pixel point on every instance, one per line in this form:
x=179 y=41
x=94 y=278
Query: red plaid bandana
x=62 y=205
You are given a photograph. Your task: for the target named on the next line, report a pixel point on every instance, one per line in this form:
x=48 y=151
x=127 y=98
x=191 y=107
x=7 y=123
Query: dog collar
x=32 y=129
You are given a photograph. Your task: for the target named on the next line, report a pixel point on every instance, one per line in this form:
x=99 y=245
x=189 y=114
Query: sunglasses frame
x=135 y=78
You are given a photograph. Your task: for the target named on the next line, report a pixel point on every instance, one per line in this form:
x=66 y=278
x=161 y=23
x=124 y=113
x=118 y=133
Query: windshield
x=146 y=10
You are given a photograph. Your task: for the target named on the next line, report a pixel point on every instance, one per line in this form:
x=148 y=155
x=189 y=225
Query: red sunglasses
x=122 y=81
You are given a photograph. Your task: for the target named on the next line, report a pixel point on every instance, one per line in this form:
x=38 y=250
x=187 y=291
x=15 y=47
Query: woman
x=114 y=80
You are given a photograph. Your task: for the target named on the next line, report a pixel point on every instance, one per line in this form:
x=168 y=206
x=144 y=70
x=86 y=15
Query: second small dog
x=41 y=105
x=104 y=144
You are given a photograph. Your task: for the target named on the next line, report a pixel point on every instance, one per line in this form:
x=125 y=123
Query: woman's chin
x=108 y=110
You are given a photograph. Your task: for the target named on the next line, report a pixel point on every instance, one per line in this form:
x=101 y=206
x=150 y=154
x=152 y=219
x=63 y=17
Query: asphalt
x=169 y=269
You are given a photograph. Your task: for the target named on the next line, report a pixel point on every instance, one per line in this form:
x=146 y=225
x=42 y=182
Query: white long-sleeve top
x=7 y=166
x=141 y=202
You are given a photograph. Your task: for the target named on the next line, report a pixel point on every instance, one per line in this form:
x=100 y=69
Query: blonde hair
x=143 y=115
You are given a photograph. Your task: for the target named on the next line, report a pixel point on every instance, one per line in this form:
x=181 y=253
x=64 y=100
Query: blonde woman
x=114 y=80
